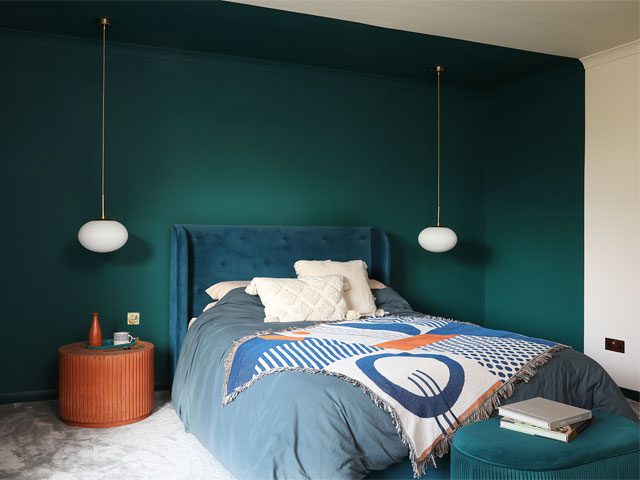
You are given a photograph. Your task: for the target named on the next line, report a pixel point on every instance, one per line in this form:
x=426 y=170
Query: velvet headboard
x=202 y=255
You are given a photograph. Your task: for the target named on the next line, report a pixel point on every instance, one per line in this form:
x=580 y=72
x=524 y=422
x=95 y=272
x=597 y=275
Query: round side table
x=105 y=388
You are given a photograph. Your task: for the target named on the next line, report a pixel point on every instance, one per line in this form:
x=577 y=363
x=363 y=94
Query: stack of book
x=545 y=418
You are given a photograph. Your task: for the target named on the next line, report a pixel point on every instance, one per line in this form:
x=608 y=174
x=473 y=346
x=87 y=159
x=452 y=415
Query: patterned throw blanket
x=430 y=374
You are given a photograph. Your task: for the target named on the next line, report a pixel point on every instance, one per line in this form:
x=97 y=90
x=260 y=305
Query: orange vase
x=95 y=333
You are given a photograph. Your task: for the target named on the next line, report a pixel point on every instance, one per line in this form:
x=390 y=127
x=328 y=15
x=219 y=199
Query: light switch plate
x=133 y=318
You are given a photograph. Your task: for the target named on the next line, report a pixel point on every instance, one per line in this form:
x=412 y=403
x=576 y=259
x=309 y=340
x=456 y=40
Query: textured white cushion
x=220 y=289
x=358 y=296
x=297 y=299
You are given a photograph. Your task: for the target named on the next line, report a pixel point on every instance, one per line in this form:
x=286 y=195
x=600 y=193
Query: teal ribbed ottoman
x=608 y=449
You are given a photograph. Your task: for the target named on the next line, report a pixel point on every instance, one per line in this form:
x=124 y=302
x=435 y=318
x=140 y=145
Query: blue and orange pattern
x=429 y=373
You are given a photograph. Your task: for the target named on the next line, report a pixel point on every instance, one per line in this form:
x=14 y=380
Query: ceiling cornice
x=568 y=28
x=612 y=54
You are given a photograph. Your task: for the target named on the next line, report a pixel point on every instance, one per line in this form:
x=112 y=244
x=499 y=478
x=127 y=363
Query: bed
x=296 y=425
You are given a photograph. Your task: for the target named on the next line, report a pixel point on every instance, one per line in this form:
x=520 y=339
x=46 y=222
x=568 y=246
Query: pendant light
x=438 y=238
x=103 y=235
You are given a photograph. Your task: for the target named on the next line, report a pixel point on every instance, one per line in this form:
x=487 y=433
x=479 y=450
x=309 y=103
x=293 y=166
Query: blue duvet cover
x=298 y=425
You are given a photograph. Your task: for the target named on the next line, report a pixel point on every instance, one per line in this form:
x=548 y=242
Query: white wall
x=612 y=210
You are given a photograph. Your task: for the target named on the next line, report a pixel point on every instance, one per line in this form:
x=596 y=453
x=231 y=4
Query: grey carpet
x=36 y=445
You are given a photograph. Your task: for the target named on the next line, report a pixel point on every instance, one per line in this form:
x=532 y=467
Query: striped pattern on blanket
x=430 y=374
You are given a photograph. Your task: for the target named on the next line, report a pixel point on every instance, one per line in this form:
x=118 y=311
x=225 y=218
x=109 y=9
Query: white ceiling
x=571 y=28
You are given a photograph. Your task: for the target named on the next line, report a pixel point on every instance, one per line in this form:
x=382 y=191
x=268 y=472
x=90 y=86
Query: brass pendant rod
x=438 y=142
x=104 y=22
x=438 y=69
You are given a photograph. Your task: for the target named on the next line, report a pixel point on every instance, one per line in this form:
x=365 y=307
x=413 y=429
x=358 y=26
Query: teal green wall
x=194 y=138
x=534 y=171
x=203 y=139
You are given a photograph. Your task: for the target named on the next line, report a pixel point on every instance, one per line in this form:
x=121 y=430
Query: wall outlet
x=614 y=345
x=133 y=318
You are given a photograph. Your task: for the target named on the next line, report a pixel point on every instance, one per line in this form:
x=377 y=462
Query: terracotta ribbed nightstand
x=105 y=388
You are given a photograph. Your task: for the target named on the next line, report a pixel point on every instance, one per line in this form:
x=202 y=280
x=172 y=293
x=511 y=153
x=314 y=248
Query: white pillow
x=375 y=284
x=209 y=305
x=359 y=297
x=298 y=299
x=220 y=289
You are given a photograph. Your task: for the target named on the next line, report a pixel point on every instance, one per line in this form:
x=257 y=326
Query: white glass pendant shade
x=103 y=235
x=437 y=239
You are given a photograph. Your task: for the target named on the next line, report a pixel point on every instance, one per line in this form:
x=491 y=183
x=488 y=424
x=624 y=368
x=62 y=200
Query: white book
x=544 y=413
x=562 y=434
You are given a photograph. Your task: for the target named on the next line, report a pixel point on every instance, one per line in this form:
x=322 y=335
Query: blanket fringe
x=440 y=449
x=484 y=410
